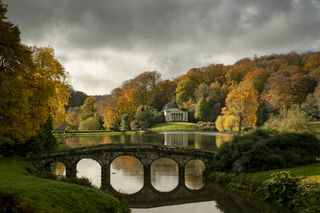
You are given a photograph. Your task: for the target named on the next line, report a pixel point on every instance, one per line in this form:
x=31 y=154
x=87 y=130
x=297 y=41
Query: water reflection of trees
x=128 y=164
x=58 y=169
x=164 y=174
x=223 y=138
x=194 y=174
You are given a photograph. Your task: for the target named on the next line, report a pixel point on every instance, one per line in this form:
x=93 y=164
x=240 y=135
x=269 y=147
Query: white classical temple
x=172 y=113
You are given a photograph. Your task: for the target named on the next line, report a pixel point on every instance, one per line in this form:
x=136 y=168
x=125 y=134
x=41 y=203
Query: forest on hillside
x=242 y=95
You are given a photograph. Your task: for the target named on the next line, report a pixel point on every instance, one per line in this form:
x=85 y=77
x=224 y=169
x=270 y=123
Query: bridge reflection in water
x=151 y=163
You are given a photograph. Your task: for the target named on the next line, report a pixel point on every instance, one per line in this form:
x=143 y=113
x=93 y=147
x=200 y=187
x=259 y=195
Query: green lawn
x=311 y=172
x=174 y=126
x=50 y=195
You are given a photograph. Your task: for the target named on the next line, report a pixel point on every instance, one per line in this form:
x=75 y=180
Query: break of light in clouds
x=104 y=42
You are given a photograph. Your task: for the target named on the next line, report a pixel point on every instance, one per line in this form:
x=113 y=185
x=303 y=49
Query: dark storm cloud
x=171 y=35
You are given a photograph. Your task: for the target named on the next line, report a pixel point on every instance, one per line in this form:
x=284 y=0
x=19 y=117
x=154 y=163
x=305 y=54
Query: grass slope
x=175 y=126
x=50 y=195
x=310 y=172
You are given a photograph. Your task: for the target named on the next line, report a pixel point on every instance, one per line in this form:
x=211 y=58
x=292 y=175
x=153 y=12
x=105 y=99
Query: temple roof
x=170 y=105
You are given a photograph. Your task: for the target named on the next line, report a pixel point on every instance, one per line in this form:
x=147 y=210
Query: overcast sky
x=104 y=42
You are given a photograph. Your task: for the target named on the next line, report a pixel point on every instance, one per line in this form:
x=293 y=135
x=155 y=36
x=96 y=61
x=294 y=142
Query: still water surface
x=127 y=173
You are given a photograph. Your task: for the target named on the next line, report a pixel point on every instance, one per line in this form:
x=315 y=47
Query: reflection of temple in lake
x=180 y=140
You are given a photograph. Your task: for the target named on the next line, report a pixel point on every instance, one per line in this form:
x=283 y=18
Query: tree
x=125 y=125
x=31 y=86
x=312 y=103
x=164 y=92
x=73 y=118
x=185 y=90
x=201 y=109
x=287 y=87
x=52 y=76
x=146 y=116
x=293 y=120
x=89 y=124
x=242 y=102
x=88 y=108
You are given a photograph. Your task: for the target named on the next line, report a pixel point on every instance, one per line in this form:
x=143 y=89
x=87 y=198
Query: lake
x=127 y=174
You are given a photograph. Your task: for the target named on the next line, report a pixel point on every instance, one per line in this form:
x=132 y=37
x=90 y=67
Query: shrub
x=206 y=125
x=308 y=198
x=79 y=181
x=282 y=187
x=289 y=120
x=227 y=123
x=261 y=150
x=89 y=124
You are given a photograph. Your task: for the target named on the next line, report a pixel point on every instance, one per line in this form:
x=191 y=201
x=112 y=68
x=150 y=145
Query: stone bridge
x=146 y=153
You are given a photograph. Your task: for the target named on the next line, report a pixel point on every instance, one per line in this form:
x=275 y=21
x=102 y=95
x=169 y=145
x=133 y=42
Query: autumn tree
x=312 y=103
x=164 y=92
x=51 y=75
x=242 y=102
x=31 y=89
x=287 y=87
x=73 y=118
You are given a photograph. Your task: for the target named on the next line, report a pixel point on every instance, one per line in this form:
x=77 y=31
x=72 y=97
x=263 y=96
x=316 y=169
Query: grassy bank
x=297 y=187
x=174 y=126
x=50 y=195
x=310 y=173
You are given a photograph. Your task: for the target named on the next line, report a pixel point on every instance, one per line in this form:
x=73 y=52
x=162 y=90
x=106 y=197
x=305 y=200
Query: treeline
x=33 y=91
x=243 y=95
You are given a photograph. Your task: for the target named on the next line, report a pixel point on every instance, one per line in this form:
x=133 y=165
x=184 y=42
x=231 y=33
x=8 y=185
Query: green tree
x=146 y=116
x=201 y=109
x=88 y=108
x=125 y=124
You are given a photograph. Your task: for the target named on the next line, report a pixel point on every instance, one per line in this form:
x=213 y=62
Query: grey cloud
x=172 y=35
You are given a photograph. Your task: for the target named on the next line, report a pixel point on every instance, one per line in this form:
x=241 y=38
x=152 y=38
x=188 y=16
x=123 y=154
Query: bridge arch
x=125 y=169
x=167 y=179
x=58 y=168
x=91 y=169
x=194 y=174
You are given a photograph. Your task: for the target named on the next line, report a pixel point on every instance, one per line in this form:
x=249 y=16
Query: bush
x=227 y=123
x=289 y=120
x=261 y=150
x=282 y=187
x=79 y=181
x=308 y=198
x=146 y=116
x=89 y=124
x=206 y=125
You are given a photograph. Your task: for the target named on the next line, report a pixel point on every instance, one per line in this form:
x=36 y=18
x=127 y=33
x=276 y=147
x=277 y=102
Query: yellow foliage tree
x=242 y=102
